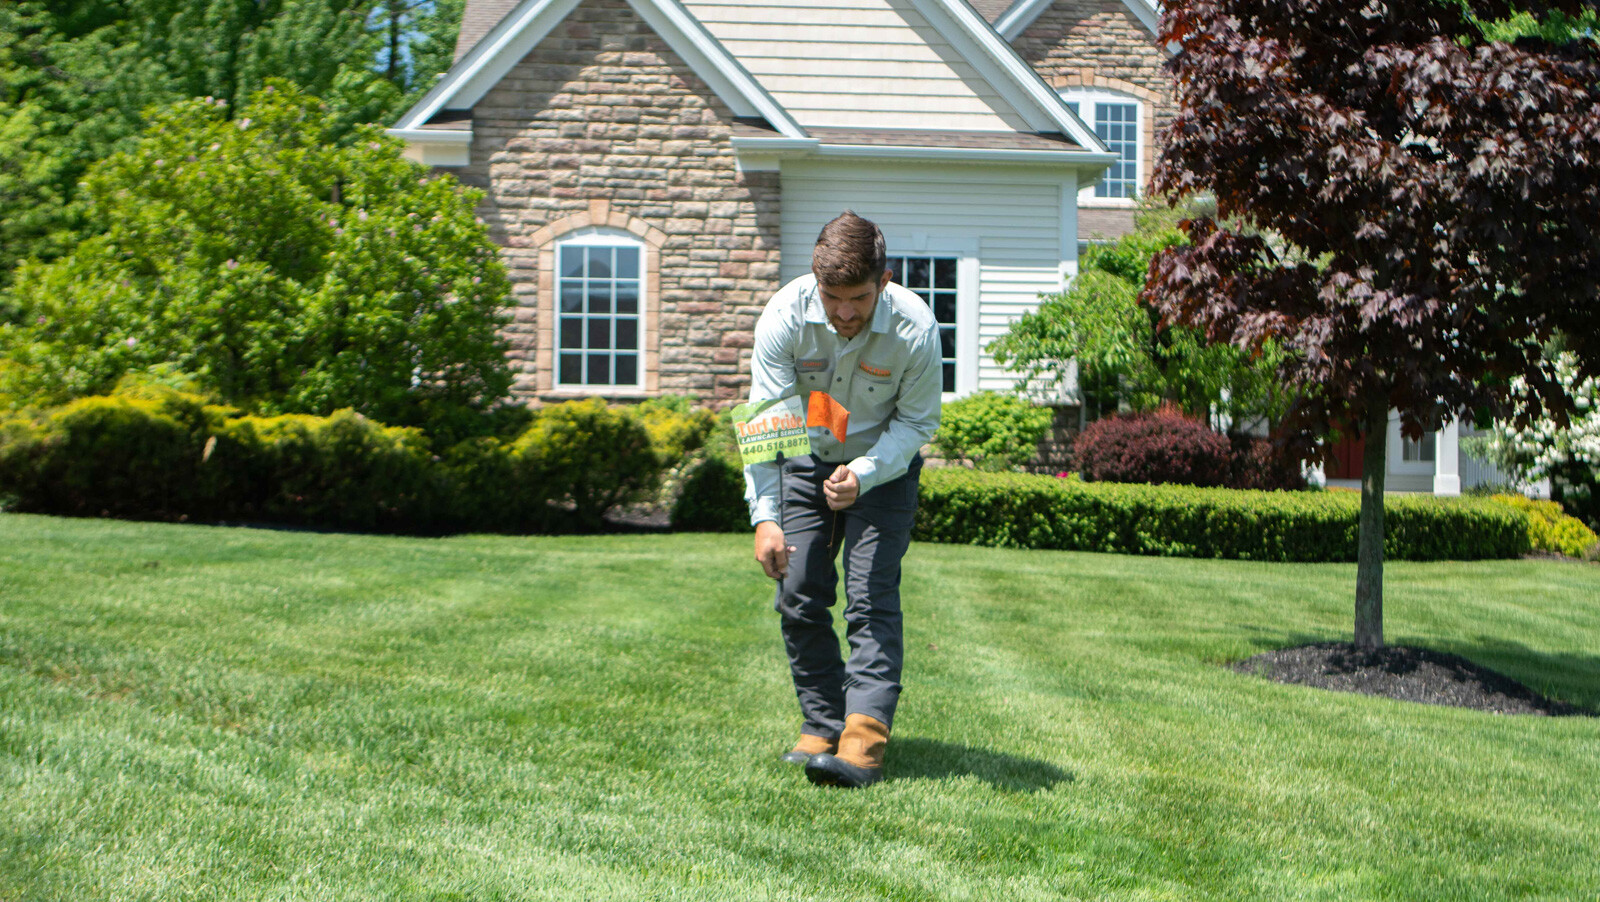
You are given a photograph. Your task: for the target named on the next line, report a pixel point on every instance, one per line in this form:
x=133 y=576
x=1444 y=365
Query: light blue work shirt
x=889 y=377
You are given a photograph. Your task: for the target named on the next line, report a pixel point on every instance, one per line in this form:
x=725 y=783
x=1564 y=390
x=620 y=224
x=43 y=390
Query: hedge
x=1016 y=510
x=168 y=455
x=1552 y=529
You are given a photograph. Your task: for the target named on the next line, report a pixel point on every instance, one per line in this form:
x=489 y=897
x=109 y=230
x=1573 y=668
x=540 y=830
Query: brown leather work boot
x=859 y=761
x=807 y=746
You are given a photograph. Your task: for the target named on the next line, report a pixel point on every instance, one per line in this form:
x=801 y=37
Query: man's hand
x=771 y=552
x=841 y=488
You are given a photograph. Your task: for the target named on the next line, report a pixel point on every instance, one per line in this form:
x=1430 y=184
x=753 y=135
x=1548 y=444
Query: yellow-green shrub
x=1550 y=528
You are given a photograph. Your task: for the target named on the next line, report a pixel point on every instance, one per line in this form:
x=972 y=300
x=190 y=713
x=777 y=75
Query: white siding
x=861 y=64
x=1011 y=218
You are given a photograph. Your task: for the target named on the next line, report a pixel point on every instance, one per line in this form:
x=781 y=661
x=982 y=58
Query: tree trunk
x=1369 y=544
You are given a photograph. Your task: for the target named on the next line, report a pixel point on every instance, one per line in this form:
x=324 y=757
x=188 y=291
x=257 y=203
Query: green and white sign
x=768 y=428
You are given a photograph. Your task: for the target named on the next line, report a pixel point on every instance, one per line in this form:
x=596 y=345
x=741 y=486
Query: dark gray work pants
x=873 y=534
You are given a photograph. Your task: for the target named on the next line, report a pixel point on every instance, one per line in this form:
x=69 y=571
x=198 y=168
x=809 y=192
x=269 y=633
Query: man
x=874 y=347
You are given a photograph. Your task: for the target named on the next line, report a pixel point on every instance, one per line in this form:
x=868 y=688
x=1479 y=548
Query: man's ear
x=883 y=281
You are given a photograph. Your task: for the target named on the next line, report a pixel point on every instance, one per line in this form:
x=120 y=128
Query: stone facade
x=602 y=124
x=1100 y=44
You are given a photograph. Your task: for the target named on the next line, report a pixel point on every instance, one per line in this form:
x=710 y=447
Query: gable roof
x=800 y=51
x=990 y=10
x=912 y=64
x=477 y=18
x=1022 y=13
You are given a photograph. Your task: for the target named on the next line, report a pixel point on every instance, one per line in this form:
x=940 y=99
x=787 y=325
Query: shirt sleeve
x=772 y=371
x=914 y=421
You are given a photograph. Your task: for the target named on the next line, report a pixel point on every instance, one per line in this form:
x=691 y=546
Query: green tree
x=76 y=78
x=286 y=272
x=1124 y=351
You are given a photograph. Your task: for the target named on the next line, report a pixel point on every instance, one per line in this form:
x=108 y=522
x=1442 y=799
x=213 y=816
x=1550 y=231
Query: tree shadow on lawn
x=917 y=758
x=1570 y=676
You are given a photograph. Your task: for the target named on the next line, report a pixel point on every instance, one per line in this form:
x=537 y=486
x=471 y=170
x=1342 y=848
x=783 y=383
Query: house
x=655 y=169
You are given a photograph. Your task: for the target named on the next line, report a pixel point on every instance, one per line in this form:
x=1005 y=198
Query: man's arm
x=771 y=376
x=912 y=425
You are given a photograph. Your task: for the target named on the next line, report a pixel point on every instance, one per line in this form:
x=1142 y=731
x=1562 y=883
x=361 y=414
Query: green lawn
x=200 y=713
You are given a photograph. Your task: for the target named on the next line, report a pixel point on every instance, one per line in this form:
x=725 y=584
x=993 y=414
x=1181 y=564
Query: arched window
x=1118 y=120
x=600 y=310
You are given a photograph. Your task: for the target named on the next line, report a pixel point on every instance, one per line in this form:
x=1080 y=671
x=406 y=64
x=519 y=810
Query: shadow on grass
x=915 y=758
x=1570 y=677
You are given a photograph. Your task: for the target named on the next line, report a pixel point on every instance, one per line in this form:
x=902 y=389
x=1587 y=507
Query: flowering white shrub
x=1542 y=450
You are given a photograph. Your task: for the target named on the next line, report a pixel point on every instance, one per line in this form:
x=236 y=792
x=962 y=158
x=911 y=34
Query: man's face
x=849 y=307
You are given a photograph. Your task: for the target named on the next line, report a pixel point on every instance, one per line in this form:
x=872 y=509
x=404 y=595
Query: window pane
x=571 y=333
x=627 y=297
x=571 y=369
x=627 y=263
x=600 y=297
x=571 y=297
x=949 y=377
x=944 y=272
x=947 y=343
x=916 y=273
x=571 y=263
x=599 y=369
x=627 y=369
x=944 y=307
x=1117 y=124
x=599 y=262
x=627 y=334
x=599 y=334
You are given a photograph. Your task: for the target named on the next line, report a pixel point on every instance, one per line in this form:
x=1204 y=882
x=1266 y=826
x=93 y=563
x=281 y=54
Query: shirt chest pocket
x=813 y=374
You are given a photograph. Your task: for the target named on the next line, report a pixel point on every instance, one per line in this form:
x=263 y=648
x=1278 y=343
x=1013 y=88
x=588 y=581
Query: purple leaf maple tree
x=1409 y=209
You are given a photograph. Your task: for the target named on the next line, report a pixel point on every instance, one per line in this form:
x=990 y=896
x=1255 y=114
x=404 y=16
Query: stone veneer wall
x=1099 y=43
x=603 y=124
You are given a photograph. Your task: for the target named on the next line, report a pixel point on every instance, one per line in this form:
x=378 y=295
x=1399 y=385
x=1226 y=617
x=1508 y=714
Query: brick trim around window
x=1086 y=78
x=545 y=239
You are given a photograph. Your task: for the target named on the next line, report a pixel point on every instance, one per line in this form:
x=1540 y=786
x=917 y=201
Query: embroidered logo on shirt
x=871 y=370
x=812 y=364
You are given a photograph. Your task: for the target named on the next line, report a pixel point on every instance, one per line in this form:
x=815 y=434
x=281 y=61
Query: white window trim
x=967 y=269
x=600 y=236
x=1394 y=451
x=1087 y=99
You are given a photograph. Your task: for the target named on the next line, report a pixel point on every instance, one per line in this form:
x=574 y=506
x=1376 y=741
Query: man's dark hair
x=849 y=251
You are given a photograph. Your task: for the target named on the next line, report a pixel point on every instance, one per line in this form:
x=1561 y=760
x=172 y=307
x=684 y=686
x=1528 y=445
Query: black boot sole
x=826 y=770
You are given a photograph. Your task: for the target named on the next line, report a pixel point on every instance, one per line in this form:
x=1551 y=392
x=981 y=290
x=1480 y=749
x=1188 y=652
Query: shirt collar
x=880 y=312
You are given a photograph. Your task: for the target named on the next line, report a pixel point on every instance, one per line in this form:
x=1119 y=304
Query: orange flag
x=823 y=410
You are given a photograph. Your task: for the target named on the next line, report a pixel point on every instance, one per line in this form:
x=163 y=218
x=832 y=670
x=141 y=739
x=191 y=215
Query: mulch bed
x=1405 y=674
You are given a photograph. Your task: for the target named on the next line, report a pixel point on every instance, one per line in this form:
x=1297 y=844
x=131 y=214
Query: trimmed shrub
x=676 y=427
x=992 y=430
x=167 y=455
x=593 y=456
x=343 y=471
x=1020 y=511
x=711 y=498
x=1550 y=528
x=104 y=456
x=1154 y=448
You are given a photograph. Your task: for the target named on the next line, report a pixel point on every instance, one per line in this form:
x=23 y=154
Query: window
x=1116 y=120
x=935 y=280
x=1413 y=451
x=599 y=285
